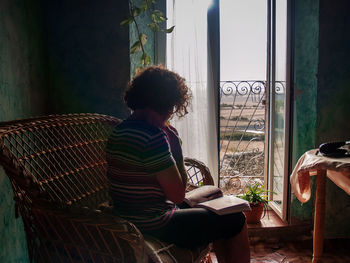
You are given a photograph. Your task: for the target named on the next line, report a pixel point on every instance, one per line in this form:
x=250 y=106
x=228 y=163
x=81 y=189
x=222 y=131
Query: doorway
x=253 y=121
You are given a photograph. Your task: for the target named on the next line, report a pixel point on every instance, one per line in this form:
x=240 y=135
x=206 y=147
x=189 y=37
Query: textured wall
x=305 y=90
x=22 y=74
x=333 y=98
x=55 y=57
x=22 y=81
x=322 y=77
x=88 y=55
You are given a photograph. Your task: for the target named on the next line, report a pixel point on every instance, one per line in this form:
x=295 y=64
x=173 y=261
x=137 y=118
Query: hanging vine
x=156 y=16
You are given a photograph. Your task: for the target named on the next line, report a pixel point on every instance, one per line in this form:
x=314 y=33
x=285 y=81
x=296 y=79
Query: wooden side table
x=337 y=170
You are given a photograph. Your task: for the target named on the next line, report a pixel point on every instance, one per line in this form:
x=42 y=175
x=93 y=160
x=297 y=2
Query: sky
x=243 y=37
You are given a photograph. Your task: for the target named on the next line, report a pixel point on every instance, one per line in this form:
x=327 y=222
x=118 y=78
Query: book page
x=226 y=205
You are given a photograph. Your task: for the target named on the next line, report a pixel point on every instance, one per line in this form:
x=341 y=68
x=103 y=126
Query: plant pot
x=254 y=216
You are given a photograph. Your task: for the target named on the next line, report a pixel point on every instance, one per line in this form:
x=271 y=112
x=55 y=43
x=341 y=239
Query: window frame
x=284 y=210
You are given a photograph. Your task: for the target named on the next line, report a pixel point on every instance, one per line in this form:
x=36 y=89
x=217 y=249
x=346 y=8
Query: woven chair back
x=58 y=158
x=59 y=162
x=198 y=173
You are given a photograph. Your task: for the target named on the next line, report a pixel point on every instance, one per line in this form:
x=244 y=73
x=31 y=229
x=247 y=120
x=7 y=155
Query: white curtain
x=187 y=50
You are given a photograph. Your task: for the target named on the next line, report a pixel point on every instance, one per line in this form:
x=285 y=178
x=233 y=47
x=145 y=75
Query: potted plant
x=256 y=195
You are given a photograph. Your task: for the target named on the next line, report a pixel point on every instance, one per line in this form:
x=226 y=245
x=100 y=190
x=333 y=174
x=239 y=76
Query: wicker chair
x=57 y=169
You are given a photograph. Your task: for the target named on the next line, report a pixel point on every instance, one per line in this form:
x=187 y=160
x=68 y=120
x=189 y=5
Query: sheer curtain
x=187 y=49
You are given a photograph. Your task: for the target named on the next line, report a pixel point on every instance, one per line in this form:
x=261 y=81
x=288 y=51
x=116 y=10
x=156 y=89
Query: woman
x=147 y=174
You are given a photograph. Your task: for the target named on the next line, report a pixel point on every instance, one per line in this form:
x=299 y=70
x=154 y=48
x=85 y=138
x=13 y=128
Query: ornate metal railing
x=242 y=133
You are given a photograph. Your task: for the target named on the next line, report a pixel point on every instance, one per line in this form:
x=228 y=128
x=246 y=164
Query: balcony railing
x=242 y=133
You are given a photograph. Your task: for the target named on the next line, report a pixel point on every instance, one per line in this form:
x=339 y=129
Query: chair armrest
x=198 y=173
x=85 y=236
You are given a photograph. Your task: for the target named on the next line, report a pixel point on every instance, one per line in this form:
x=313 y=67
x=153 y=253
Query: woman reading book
x=147 y=174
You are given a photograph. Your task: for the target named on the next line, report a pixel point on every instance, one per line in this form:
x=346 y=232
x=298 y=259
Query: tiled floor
x=336 y=251
x=290 y=244
x=297 y=252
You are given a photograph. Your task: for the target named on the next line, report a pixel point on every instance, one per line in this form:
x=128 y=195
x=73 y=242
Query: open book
x=212 y=198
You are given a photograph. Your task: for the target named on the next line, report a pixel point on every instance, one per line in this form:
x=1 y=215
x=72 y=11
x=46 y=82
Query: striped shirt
x=135 y=152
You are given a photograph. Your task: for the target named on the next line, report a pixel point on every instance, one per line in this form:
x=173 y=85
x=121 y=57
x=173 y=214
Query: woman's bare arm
x=176 y=151
x=171 y=182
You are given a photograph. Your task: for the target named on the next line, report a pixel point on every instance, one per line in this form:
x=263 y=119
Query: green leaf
x=256 y=194
x=145 y=59
x=169 y=30
x=154 y=18
x=158 y=13
x=126 y=21
x=158 y=16
x=143 y=38
x=144 y=6
x=135 y=47
x=154 y=27
x=136 y=11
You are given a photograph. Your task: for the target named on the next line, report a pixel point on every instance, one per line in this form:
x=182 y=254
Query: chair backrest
x=198 y=173
x=59 y=158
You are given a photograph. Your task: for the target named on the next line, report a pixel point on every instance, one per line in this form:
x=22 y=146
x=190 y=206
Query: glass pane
x=278 y=110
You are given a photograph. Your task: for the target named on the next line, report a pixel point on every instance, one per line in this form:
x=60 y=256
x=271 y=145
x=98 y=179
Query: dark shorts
x=191 y=227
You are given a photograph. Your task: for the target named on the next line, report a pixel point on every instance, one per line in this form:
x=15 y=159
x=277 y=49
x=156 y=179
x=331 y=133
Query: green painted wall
x=333 y=98
x=22 y=94
x=322 y=88
x=88 y=55
x=57 y=57
x=305 y=90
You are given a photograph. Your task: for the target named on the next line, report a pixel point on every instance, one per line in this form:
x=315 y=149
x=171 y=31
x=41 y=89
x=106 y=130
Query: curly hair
x=159 y=89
